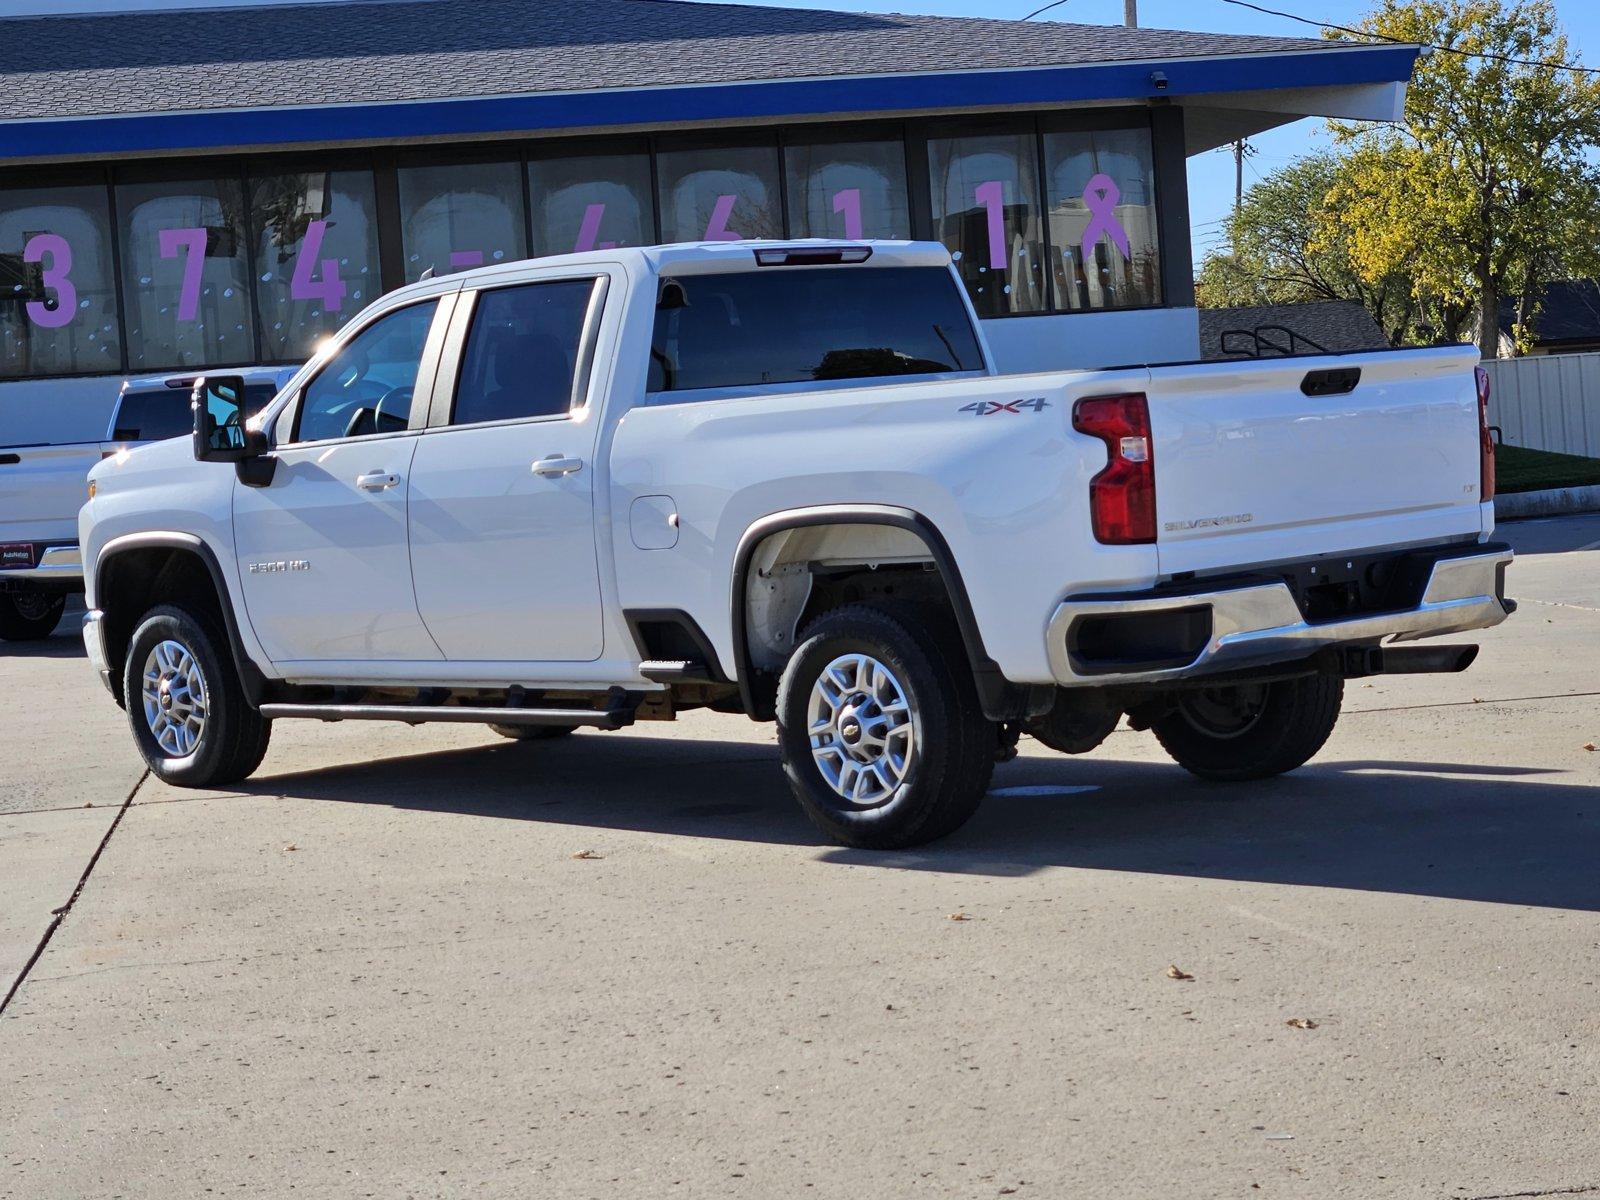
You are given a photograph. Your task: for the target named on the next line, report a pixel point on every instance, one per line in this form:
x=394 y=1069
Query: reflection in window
x=852 y=190
x=185 y=275
x=522 y=352
x=316 y=256
x=591 y=202
x=460 y=215
x=58 y=312
x=719 y=195
x=367 y=387
x=986 y=210
x=1101 y=190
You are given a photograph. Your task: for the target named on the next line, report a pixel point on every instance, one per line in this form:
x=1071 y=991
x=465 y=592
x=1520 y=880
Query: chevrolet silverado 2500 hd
x=785 y=479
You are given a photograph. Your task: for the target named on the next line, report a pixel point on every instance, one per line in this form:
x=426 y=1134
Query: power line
x=1383 y=37
x=1045 y=9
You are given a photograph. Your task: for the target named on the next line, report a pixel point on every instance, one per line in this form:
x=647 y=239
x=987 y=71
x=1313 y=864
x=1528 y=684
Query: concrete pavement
x=378 y=970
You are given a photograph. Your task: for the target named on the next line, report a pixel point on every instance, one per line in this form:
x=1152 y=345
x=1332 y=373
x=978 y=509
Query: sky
x=1211 y=175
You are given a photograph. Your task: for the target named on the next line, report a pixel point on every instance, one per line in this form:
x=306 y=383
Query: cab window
x=368 y=385
x=523 y=353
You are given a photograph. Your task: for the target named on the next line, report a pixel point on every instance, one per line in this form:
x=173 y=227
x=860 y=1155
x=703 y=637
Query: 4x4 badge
x=988 y=408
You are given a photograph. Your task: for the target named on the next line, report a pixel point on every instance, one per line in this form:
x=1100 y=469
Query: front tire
x=1251 y=731
x=186 y=705
x=882 y=734
x=30 y=616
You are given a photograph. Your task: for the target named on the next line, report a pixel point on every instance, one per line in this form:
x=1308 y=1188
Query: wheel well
x=793 y=572
x=132 y=582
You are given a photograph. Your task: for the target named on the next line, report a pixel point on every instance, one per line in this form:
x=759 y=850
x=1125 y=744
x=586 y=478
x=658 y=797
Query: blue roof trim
x=544 y=112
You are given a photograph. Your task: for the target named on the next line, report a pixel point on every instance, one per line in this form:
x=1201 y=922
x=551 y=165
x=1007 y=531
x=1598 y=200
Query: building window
x=316 y=256
x=590 y=202
x=985 y=194
x=1102 y=212
x=185 y=274
x=726 y=194
x=58 y=305
x=849 y=190
x=461 y=215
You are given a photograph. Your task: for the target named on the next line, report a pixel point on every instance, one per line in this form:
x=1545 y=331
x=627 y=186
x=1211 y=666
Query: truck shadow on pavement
x=1503 y=834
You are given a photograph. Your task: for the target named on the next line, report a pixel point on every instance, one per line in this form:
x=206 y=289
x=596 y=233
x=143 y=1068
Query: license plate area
x=16 y=556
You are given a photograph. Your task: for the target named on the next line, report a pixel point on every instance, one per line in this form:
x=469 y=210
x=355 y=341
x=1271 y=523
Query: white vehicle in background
x=784 y=479
x=42 y=488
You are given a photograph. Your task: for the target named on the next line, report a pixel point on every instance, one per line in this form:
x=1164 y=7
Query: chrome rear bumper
x=1259 y=624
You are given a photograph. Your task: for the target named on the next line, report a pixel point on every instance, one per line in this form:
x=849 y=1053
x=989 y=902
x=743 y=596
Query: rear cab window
x=156 y=414
x=777 y=326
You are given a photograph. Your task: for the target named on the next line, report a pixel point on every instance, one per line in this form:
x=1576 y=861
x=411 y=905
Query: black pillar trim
x=1172 y=207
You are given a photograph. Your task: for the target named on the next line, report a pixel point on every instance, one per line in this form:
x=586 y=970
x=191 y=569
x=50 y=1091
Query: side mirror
x=220 y=434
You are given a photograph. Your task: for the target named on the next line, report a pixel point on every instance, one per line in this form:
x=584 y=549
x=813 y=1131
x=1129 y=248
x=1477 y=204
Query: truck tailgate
x=41 y=490
x=1250 y=469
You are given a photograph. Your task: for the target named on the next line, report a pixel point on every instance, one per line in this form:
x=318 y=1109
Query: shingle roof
x=1331 y=324
x=1569 y=311
x=400 y=50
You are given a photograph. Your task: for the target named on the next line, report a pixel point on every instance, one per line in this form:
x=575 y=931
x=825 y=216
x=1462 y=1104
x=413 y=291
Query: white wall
x=1110 y=339
x=1547 y=402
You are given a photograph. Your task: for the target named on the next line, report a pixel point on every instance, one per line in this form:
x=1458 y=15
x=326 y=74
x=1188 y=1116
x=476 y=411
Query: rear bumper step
x=418 y=714
x=1095 y=641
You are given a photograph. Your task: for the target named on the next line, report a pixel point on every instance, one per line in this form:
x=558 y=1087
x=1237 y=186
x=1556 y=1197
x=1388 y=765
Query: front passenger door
x=323 y=548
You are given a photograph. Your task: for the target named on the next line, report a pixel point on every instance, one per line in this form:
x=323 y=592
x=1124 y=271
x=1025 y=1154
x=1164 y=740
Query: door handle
x=376 y=481
x=557 y=465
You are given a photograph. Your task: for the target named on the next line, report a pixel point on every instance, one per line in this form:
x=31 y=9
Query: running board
x=419 y=714
x=674 y=671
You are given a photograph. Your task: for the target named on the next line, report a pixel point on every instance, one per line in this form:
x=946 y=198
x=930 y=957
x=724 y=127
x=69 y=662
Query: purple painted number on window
x=305 y=285
x=992 y=196
x=848 y=202
x=717 y=228
x=466 y=258
x=55 y=278
x=192 y=244
x=589 y=231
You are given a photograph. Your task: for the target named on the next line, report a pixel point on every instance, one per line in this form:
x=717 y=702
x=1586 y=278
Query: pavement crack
x=59 y=915
x=1474 y=703
x=1580 y=1190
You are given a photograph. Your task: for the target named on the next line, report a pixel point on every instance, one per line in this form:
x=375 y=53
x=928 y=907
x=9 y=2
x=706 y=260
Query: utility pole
x=1130 y=13
x=1238 y=174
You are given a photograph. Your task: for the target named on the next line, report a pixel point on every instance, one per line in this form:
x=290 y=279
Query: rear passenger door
x=502 y=485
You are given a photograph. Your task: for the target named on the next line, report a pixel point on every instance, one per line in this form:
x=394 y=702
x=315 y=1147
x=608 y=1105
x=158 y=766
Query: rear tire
x=30 y=616
x=532 y=733
x=1232 y=734
x=186 y=705
x=883 y=738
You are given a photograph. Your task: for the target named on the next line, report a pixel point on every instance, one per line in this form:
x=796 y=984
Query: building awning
x=160 y=83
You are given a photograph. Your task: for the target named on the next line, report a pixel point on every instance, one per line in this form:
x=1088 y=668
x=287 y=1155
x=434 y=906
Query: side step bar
x=419 y=714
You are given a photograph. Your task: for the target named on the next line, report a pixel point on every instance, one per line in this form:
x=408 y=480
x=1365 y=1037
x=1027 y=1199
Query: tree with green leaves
x=1287 y=246
x=1486 y=190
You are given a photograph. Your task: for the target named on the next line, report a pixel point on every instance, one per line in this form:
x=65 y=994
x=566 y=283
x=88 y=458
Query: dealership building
x=212 y=187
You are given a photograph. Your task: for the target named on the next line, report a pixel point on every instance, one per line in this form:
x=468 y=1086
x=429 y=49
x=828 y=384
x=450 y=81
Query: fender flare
x=250 y=675
x=1002 y=699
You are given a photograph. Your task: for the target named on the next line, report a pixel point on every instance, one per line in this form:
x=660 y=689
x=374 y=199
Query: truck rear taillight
x=1122 y=497
x=1485 y=439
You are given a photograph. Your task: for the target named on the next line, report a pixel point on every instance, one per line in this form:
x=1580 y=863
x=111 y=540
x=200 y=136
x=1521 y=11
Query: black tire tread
x=970 y=741
x=14 y=627
x=1302 y=715
x=244 y=732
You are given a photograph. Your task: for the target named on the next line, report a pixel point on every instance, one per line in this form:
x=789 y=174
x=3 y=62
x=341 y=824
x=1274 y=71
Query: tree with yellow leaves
x=1486 y=190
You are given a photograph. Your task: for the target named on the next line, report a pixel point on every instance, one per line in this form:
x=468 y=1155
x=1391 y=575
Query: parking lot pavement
x=379 y=970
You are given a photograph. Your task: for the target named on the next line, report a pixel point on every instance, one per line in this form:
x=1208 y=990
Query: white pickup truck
x=784 y=479
x=42 y=488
